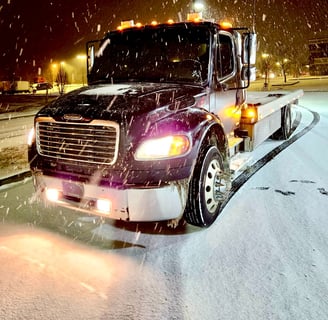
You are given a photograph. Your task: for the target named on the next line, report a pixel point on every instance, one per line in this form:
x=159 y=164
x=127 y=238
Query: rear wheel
x=285 y=130
x=208 y=190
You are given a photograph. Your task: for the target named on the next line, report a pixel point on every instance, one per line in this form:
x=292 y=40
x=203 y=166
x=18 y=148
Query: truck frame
x=152 y=136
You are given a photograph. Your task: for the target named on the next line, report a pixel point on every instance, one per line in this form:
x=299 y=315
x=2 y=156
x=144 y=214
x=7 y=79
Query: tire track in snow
x=245 y=176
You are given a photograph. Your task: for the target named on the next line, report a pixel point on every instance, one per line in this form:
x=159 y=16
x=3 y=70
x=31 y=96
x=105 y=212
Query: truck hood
x=121 y=101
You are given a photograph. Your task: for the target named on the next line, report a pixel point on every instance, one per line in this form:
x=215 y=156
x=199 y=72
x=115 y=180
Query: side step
x=235 y=145
x=238 y=159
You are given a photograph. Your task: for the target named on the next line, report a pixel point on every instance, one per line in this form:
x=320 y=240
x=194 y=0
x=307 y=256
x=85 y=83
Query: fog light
x=104 y=205
x=52 y=194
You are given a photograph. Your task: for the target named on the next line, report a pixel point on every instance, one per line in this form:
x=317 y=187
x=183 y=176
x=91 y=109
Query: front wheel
x=208 y=190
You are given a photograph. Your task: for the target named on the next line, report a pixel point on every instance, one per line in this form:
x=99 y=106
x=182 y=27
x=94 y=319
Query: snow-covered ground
x=266 y=256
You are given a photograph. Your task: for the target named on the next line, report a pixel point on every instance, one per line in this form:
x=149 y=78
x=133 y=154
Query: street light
x=198 y=6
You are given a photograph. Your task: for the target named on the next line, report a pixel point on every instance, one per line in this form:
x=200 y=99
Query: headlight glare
x=31 y=137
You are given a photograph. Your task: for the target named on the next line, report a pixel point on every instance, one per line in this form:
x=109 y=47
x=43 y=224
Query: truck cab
x=206 y=55
x=148 y=138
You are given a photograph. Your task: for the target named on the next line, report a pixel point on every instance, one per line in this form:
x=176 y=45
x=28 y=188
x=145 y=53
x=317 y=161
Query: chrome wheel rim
x=215 y=186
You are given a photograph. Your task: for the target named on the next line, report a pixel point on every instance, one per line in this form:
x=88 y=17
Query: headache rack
x=95 y=142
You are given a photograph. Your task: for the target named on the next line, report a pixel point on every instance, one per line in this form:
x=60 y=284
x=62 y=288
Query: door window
x=225 y=56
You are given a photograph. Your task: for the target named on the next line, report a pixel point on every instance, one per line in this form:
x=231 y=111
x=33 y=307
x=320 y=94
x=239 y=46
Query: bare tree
x=61 y=80
x=284 y=65
x=265 y=65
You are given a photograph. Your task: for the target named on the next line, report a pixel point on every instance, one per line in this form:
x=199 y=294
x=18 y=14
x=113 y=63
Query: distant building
x=318 y=60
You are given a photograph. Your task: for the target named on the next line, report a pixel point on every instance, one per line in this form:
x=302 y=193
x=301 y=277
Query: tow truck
x=153 y=134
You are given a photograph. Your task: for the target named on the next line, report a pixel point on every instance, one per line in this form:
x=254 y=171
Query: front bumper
x=133 y=204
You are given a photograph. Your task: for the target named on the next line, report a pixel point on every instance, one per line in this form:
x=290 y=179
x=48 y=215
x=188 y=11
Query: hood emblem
x=72 y=117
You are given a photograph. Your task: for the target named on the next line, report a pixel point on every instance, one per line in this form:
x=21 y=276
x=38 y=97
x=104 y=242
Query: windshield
x=158 y=54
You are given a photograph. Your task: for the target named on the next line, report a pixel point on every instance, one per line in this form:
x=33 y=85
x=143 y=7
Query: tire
x=208 y=189
x=285 y=131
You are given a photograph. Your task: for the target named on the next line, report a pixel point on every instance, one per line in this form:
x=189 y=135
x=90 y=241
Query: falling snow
x=265 y=257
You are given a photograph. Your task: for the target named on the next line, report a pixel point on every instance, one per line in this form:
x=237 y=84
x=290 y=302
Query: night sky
x=36 y=33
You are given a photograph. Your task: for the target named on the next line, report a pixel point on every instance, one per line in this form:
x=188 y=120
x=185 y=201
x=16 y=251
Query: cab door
x=226 y=96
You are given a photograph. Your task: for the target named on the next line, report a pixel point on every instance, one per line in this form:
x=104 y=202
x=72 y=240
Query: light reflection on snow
x=93 y=270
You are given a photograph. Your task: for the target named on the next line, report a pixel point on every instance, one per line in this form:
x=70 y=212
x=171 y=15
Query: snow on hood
x=116 y=101
x=110 y=90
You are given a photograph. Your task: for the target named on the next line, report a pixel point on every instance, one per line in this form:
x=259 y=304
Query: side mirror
x=249 y=48
x=90 y=55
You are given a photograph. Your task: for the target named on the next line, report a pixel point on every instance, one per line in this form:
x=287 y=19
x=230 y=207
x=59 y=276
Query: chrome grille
x=95 y=142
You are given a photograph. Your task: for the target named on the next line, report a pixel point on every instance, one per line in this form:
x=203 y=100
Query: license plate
x=72 y=189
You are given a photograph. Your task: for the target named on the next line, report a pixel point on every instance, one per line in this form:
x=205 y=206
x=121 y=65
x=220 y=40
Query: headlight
x=163 y=148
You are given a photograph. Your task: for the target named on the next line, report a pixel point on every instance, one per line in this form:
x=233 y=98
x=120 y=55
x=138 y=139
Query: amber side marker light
x=249 y=114
x=126 y=24
x=194 y=17
x=225 y=25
